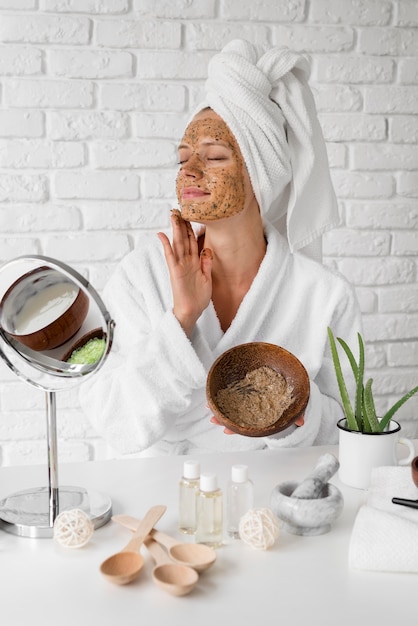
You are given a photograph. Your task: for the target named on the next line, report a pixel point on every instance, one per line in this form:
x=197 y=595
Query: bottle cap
x=239 y=473
x=208 y=482
x=191 y=469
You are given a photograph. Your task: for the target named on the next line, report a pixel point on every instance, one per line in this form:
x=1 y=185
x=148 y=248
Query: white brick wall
x=94 y=95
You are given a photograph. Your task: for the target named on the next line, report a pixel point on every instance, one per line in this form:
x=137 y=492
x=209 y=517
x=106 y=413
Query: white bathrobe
x=150 y=395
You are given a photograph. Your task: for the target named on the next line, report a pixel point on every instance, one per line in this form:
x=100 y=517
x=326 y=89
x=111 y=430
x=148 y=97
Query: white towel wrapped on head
x=265 y=99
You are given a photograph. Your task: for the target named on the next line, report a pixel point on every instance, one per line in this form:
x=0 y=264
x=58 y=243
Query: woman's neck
x=238 y=250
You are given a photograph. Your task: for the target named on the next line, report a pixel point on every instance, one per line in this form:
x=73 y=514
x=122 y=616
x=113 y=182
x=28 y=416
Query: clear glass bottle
x=188 y=489
x=240 y=498
x=209 y=512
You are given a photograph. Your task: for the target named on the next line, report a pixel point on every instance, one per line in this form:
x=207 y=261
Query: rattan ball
x=259 y=528
x=73 y=528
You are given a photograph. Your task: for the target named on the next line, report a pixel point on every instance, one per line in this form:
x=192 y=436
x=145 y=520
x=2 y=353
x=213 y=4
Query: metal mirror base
x=27 y=513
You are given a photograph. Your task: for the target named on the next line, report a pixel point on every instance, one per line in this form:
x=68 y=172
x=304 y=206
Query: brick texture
x=94 y=96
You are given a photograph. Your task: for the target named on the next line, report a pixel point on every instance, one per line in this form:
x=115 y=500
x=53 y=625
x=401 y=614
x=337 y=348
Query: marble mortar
x=309 y=507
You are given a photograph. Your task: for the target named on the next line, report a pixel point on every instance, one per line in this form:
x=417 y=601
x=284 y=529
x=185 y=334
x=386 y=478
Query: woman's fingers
x=190 y=274
x=182 y=235
x=300 y=421
x=176 y=225
x=168 y=252
x=206 y=260
x=227 y=431
x=193 y=249
x=183 y=249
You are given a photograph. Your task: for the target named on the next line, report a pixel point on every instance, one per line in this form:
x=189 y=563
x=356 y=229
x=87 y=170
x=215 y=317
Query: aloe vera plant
x=361 y=414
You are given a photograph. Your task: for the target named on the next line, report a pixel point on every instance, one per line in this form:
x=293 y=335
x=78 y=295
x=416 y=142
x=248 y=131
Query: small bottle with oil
x=209 y=512
x=239 y=498
x=188 y=489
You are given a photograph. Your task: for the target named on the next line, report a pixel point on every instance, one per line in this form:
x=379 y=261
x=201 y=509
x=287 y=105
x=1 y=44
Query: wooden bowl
x=43 y=309
x=414 y=470
x=96 y=333
x=234 y=365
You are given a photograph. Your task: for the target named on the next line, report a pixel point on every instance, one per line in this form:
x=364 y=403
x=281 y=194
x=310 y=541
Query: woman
x=234 y=278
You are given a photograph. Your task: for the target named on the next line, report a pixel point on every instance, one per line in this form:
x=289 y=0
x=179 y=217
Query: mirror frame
x=42 y=362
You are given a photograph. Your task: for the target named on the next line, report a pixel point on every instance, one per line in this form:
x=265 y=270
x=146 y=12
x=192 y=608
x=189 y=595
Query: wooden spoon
x=196 y=555
x=124 y=566
x=174 y=578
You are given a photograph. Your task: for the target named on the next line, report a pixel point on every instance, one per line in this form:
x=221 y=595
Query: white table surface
x=301 y=580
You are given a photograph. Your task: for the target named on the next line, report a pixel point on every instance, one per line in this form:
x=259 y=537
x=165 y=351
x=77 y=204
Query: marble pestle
x=312 y=486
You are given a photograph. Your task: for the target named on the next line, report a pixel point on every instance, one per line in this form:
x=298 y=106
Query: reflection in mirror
x=47 y=312
x=43 y=309
x=54 y=333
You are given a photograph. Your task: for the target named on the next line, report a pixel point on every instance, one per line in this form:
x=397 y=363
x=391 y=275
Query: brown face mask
x=211 y=180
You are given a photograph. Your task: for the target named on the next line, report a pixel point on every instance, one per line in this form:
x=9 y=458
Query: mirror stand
x=32 y=513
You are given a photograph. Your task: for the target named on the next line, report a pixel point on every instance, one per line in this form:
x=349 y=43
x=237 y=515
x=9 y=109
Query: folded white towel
x=385 y=535
x=265 y=99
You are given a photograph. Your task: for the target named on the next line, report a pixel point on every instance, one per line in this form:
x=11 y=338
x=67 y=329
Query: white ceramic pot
x=359 y=452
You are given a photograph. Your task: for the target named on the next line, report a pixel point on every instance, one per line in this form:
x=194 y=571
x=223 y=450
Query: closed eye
x=182 y=161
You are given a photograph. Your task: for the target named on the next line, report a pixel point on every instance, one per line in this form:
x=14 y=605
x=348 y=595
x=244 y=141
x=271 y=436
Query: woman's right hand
x=190 y=273
x=227 y=431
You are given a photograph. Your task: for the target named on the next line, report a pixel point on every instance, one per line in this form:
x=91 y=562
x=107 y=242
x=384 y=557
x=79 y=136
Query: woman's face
x=212 y=182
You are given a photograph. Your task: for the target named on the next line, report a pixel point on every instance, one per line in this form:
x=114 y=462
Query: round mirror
x=54 y=328
x=54 y=332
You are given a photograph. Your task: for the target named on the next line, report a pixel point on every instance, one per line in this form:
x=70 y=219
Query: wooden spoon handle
x=128 y=521
x=144 y=527
x=163 y=539
x=158 y=553
x=132 y=523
